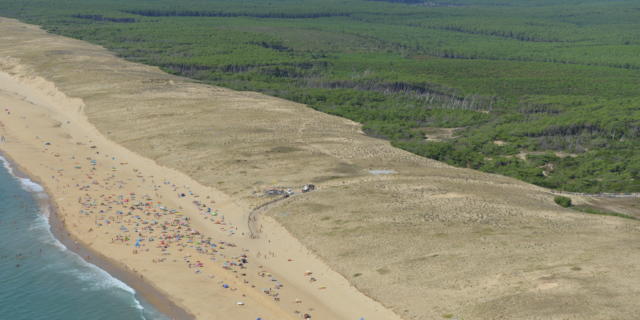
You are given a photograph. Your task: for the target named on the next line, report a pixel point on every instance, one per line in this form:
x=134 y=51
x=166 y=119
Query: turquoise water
x=40 y=278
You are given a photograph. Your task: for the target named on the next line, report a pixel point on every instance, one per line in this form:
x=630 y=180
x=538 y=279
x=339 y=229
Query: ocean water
x=42 y=279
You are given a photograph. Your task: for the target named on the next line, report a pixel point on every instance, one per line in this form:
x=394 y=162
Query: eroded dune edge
x=129 y=152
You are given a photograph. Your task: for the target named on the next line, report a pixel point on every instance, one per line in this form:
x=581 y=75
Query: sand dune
x=426 y=240
x=153 y=222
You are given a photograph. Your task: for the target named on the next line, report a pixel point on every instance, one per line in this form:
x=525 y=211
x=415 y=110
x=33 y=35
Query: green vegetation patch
x=543 y=91
x=563 y=201
x=591 y=210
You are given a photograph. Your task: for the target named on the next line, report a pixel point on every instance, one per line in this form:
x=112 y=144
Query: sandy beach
x=166 y=183
x=186 y=241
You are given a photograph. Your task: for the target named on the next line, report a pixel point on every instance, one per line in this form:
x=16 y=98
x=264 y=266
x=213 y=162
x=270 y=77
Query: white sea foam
x=26 y=184
x=42 y=228
x=30 y=185
x=6 y=165
x=97 y=278
x=100 y=280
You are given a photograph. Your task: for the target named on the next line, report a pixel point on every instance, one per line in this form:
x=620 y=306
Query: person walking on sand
x=2 y=139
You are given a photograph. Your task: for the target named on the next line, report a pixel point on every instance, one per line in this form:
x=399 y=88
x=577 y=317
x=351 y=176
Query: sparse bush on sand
x=563 y=201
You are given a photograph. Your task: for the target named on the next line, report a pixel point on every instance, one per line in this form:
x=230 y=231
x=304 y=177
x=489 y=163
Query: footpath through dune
x=426 y=240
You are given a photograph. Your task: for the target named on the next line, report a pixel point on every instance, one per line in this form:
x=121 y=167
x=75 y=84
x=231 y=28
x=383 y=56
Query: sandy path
x=93 y=181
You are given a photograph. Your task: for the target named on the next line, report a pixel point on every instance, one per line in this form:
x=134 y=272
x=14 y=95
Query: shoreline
x=147 y=291
x=49 y=139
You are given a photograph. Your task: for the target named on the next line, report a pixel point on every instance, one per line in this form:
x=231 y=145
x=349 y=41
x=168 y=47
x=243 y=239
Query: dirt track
x=429 y=241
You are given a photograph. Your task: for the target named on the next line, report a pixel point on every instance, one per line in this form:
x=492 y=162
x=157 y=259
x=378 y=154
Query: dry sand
x=427 y=240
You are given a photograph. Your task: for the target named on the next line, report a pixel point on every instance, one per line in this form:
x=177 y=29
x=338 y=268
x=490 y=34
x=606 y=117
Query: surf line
x=102 y=267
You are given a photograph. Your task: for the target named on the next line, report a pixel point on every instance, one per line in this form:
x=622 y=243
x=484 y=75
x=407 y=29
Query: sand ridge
x=428 y=241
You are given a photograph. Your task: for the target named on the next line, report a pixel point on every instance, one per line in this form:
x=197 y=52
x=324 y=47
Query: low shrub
x=563 y=201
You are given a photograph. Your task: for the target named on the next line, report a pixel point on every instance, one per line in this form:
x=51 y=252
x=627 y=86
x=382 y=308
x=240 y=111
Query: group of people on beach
x=150 y=227
x=164 y=223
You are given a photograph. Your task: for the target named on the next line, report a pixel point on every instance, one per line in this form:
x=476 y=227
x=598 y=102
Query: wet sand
x=158 y=299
